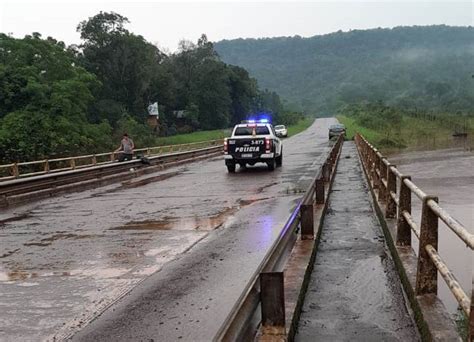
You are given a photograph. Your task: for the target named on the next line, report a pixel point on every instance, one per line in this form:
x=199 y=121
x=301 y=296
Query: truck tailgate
x=246 y=147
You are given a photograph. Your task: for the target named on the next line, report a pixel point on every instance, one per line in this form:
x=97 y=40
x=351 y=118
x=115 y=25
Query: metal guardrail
x=395 y=189
x=245 y=316
x=16 y=191
x=46 y=166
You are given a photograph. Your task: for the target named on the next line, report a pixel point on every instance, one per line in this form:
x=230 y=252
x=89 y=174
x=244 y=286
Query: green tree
x=44 y=100
x=125 y=63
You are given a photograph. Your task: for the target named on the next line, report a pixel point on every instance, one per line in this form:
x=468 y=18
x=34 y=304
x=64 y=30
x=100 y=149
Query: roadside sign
x=153 y=109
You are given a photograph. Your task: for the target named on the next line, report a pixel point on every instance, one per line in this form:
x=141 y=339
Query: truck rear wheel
x=279 y=159
x=272 y=164
x=231 y=168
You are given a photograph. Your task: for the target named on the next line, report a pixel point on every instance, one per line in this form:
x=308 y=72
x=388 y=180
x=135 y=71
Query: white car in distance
x=281 y=131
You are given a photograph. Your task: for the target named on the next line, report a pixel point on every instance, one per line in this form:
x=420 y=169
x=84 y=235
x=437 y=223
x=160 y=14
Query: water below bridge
x=449 y=174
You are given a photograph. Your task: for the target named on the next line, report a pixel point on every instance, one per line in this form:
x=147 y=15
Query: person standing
x=126 y=147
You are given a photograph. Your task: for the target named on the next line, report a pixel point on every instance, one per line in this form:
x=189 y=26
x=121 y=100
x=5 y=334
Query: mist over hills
x=425 y=67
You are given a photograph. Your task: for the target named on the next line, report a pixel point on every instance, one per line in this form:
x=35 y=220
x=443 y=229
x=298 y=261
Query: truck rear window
x=259 y=130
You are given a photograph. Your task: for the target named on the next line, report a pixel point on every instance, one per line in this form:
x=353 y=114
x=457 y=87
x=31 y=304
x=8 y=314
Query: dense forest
x=424 y=68
x=58 y=100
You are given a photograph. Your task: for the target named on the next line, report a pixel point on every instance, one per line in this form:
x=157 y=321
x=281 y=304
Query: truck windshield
x=259 y=130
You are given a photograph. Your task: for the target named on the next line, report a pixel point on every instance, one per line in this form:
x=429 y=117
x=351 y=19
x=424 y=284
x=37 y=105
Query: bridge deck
x=354 y=291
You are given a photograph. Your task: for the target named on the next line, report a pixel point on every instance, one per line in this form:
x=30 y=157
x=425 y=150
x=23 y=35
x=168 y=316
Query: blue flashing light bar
x=263 y=120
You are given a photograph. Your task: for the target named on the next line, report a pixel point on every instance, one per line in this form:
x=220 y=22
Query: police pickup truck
x=253 y=142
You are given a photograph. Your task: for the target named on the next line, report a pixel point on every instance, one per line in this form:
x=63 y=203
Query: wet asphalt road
x=64 y=261
x=354 y=293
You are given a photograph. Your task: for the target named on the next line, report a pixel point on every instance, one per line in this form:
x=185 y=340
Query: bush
x=288 y=118
x=141 y=134
x=185 y=129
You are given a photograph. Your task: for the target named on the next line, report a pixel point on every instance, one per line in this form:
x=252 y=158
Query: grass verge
x=413 y=132
x=194 y=137
x=300 y=126
x=352 y=128
x=222 y=133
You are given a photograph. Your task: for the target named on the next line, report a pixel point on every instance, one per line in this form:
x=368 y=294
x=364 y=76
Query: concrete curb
x=301 y=256
x=431 y=317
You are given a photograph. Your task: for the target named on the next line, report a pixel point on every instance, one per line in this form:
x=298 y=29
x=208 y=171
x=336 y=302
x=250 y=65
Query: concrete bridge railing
x=393 y=192
x=46 y=166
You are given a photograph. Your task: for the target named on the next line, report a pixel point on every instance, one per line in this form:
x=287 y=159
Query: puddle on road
x=135 y=183
x=187 y=223
x=8 y=253
x=14 y=218
x=97 y=273
x=21 y=275
x=206 y=223
x=260 y=189
x=100 y=273
x=148 y=180
x=49 y=240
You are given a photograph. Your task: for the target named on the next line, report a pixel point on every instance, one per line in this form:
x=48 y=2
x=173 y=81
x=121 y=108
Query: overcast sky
x=166 y=22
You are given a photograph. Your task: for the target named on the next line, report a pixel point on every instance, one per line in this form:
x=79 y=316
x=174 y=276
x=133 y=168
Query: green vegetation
x=300 y=126
x=57 y=100
x=404 y=86
x=222 y=133
x=194 y=137
x=352 y=128
x=388 y=127
x=428 y=68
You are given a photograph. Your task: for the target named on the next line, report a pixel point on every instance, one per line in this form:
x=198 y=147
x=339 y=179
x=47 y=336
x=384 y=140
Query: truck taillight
x=268 y=145
x=225 y=146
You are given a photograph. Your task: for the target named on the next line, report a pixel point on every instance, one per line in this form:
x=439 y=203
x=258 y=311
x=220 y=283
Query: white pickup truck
x=253 y=142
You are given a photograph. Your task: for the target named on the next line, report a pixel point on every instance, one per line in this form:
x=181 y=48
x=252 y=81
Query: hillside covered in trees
x=413 y=68
x=58 y=100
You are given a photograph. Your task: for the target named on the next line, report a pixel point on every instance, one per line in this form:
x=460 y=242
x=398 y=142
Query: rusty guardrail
x=265 y=290
x=46 y=166
x=395 y=191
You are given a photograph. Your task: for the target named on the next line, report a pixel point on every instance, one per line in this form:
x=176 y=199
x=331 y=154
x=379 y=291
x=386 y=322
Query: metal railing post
x=404 y=200
x=391 y=208
x=427 y=273
x=46 y=166
x=378 y=175
x=366 y=157
x=307 y=221
x=73 y=163
x=15 y=170
x=373 y=166
x=94 y=159
x=272 y=296
x=319 y=190
x=326 y=171
x=383 y=177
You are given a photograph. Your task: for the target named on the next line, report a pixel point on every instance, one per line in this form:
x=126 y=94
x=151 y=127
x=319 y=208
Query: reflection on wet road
x=448 y=174
x=65 y=260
